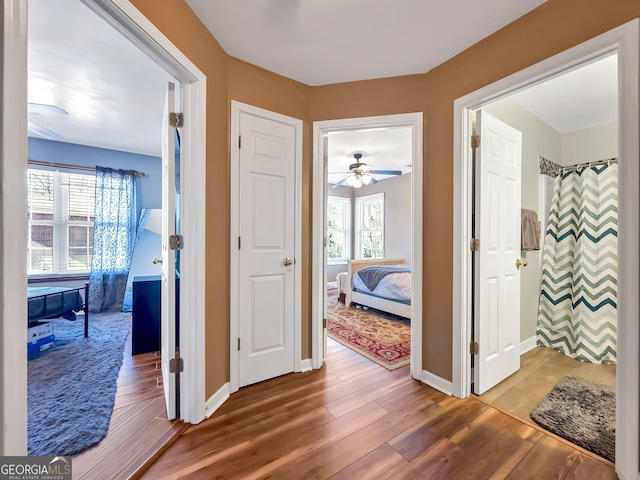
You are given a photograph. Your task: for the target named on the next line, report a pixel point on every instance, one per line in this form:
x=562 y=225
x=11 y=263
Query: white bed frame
x=378 y=303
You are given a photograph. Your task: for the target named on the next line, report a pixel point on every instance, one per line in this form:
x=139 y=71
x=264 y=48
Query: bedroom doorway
x=129 y=22
x=367 y=213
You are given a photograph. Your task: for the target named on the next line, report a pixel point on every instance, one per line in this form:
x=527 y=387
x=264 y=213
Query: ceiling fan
x=362 y=174
x=44 y=109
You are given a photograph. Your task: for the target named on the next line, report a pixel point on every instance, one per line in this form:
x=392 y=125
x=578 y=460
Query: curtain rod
x=607 y=161
x=72 y=167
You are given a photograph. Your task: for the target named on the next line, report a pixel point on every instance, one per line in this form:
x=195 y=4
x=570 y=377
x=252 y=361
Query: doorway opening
x=623 y=41
x=129 y=22
x=562 y=277
x=367 y=229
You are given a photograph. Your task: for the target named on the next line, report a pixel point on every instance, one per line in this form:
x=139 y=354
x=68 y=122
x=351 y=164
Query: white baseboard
x=528 y=344
x=217 y=399
x=445 y=386
x=306 y=365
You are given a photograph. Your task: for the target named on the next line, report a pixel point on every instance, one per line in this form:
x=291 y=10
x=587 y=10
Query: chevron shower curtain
x=578 y=299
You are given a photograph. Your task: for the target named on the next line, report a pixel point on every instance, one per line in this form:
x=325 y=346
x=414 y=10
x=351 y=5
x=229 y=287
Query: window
x=338 y=222
x=370 y=226
x=60 y=238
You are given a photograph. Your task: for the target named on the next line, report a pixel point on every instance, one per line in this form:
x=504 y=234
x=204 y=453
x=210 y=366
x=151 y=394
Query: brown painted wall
x=550 y=29
x=553 y=27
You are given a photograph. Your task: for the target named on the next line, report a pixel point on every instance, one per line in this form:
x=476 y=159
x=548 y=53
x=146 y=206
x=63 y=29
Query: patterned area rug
x=581 y=411
x=379 y=336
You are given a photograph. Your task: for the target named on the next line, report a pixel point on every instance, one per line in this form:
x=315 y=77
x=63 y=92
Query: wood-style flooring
x=540 y=369
x=353 y=419
x=139 y=430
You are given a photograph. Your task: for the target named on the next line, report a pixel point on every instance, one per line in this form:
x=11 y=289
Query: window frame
x=61 y=225
x=360 y=201
x=346 y=201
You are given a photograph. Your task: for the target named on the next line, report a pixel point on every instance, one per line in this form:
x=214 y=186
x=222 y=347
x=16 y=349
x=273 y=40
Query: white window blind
x=370 y=226
x=60 y=237
x=338 y=229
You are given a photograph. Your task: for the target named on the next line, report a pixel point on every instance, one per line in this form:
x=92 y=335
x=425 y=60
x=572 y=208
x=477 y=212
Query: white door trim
x=625 y=41
x=415 y=120
x=236 y=109
x=13 y=224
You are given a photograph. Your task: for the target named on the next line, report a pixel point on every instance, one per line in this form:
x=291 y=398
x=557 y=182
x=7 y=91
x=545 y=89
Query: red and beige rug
x=379 y=336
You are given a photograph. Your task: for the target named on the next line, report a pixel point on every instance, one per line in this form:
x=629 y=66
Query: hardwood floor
x=139 y=430
x=540 y=369
x=355 y=420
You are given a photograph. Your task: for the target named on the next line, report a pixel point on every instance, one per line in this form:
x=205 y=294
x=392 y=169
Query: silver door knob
x=287 y=261
x=157 y=261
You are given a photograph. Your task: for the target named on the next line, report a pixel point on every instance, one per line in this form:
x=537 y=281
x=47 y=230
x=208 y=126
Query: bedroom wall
x=549 y=29
x=149 y=187
x=397 y=214
x=538 y=139
x=590 y=145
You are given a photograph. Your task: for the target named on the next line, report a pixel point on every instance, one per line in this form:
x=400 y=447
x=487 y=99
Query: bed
x=54 y=302
x=395 y=300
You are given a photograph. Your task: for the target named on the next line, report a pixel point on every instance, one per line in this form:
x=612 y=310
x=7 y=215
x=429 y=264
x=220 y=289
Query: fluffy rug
x=72 y=385
x=379 y=336
x=581 y=411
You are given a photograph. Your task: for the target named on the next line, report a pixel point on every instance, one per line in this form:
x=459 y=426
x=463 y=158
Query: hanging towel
x=530 y=236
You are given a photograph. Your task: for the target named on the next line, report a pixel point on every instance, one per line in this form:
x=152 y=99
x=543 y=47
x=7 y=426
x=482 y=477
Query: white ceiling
x=584 y=98
x=331 y=41
x=382 y=149
x=114 y=93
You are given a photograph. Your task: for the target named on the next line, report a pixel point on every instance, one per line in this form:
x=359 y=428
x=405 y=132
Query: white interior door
x=266 y=273
x=497 y=279
x=168 y=292
x=325 y=163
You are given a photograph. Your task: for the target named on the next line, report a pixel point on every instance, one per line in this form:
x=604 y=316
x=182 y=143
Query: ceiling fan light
x=366 y=179
x=357 y=181
x=351 y=180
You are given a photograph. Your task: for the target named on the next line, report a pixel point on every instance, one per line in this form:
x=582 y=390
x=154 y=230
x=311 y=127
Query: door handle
x=157 y=261
x=287 y=261
x=520 y=263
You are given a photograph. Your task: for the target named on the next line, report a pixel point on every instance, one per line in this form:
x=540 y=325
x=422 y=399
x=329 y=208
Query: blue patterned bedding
x=53 y=302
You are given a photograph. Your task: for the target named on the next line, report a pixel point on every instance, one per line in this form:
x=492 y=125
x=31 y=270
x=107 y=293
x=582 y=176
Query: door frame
x=321 y=128
x=122 y=15
x=623 y=40
x=236 y=109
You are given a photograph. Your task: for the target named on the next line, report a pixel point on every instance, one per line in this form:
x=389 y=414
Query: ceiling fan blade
x=340 y=182
x=387 y=172
x=44 y=108
x=44 y=132
x=373 y=180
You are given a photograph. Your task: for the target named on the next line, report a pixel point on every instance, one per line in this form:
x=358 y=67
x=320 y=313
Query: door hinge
x=176 y=242
x=474 y=349
x=239 y=243
x=324 y=323
x=474 y=244
x=475 y=141
x=176 y=120
x=238 y=344
x=239 y=141
x=176 y=365
x=324 y=242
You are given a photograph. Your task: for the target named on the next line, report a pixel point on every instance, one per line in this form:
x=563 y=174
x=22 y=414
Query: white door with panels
x=168 y=276
x=266 y=273
x=497 y=277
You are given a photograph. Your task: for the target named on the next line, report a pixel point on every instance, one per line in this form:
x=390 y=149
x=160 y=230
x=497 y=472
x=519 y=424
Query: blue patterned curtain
x=577 y=313
x=113 y=238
